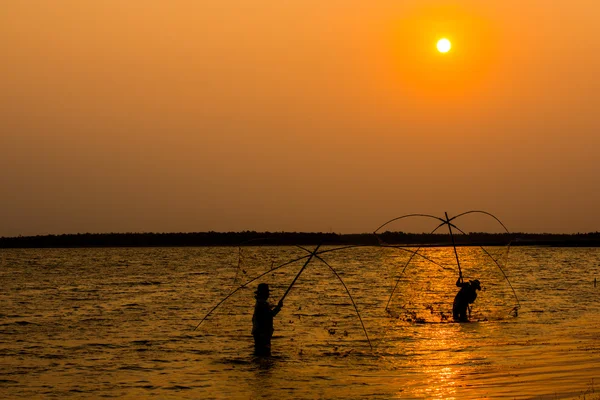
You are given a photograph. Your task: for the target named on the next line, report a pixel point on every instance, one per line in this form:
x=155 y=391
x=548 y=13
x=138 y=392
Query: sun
x=444 y=45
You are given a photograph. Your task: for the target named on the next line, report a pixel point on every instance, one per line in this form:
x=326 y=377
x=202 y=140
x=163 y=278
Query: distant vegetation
x=252 y=238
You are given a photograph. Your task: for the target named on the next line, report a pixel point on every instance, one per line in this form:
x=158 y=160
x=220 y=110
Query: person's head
x=475 y=284
x=262 y=291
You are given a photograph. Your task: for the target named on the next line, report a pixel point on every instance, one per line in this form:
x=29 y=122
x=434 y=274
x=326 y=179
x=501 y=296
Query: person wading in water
x=262 y=321
x=465 y=296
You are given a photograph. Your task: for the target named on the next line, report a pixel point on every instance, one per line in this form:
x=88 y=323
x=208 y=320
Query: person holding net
x=262 y=321
x=465 y=296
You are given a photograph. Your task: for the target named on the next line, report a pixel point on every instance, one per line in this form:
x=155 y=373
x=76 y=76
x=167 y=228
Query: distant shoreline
x=252 y=238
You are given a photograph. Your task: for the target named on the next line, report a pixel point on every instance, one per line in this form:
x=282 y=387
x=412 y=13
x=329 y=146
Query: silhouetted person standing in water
x=262 y=321
x=465 y=296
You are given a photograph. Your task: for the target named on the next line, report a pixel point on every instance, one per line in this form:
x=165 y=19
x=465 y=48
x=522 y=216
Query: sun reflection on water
x=443 y=355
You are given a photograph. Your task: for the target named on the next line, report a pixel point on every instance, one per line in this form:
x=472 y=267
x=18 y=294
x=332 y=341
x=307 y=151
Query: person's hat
x=475 y=283
x=262 y=289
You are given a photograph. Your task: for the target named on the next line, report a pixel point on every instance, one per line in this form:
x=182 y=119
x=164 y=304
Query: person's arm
x=459 y=282
x=473 y=298
x=277 y=308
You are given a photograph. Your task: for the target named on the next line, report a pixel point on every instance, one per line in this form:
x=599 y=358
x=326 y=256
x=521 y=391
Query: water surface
x=101 y=323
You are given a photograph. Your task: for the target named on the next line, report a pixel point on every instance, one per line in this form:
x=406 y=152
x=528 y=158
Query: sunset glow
x=114 y=114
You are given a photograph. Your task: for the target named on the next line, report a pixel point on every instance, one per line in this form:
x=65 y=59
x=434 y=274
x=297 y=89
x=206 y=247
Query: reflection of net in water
x=322 y=307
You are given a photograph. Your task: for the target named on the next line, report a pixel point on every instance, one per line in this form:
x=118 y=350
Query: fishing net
x=425 y=278
x=322 y=311
x=424 y=292
x=344 y=299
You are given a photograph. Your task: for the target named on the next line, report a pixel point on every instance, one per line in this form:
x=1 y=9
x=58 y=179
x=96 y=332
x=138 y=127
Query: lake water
x=119 y=322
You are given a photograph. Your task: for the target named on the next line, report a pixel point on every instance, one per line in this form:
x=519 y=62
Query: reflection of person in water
x=262 y=321
x=465 y=296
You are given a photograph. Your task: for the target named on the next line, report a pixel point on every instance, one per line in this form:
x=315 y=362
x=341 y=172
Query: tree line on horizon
x=253 y=238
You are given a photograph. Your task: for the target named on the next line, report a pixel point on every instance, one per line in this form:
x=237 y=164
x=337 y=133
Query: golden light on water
x=444 y=45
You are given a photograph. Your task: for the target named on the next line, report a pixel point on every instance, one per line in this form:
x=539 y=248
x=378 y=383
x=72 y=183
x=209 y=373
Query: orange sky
x=304 y=115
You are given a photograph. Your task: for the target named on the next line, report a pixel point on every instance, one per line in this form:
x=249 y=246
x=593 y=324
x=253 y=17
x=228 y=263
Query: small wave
x=186 y=336
x=149 y=387
x=338 y=353
x=81 y=299
x=93 y=320
x=201 y=352
x=138 y=283
x=52 y=356
x=98 y=346
x=323 y=377
x=141 y=342
x=147 y=283
x=309 y=315
x=173 y=340
x=237 y=361
x=20 y=323
x=178 y=387
x=133 y=368
x=83 y=290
